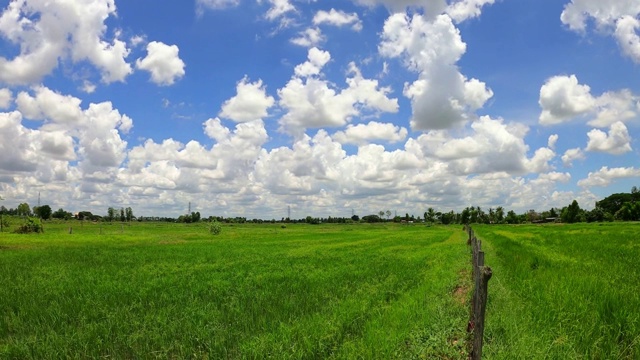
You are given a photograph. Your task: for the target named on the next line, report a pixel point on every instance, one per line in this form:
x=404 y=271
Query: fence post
x=478 y=331
x=481 y=276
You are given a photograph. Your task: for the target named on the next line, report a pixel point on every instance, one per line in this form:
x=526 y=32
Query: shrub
x=30 y=225
x=215 y=228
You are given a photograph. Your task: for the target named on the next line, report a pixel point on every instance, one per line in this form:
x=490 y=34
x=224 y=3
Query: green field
x=255 y=291
x=563 y=291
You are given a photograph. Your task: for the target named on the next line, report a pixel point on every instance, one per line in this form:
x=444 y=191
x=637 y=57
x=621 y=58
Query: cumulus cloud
x=563 y=98
x=278 y=9
x=6 y=98
x=50 y=105
x=309 y=37
x=49 y=32
x=493 y=147
x=441 y=97
x=163 y=62
x=616 y=17
x=466 y=9
x=250 y=103
x=572 y=154
x=317 y=60
x=616 y=141
x=361 y=134
x=310 y=102
x=338 y=18
x=553 y=139
x=606 y=176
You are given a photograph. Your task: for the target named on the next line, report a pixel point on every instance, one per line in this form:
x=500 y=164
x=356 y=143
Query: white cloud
x=278 y=9
x=310 y=102
x=431 y=8
x=466 y=9
x=250 y=103
x=571 y=155
x=51 y=106
x=562 y=99
x=361 y=134
x=88 y=87
x=616 y=17
x=201 y=5
x=317 y=60
x=441 y=97
x=615 y=106
x=309 y=38
x=48 y=32
x=18 y=144
x=6 y=98
x=606 y=176
x=163 y=62
x=553 y=139
x=337 y=18
x=493 y=147
x=616 y=142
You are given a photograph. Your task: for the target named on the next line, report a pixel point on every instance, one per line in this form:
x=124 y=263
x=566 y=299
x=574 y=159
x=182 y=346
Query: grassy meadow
x=563 y=291
x=158 y=290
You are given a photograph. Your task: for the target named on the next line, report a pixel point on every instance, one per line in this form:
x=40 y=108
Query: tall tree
x=122 y=217
x=499 y=214
x=381 y=213
x=129 y=214
x=571 y=213
x=388 y=213
x=24 y=209
x=111 y=214
x=43 y=212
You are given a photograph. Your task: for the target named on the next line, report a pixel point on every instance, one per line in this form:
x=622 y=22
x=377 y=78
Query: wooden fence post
x=478 y=331
x=481 y=276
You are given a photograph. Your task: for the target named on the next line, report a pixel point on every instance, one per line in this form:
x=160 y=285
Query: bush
x=215 y=228
x=30 y=226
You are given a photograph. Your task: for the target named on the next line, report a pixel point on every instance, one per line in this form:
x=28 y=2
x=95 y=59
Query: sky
x=327 y=108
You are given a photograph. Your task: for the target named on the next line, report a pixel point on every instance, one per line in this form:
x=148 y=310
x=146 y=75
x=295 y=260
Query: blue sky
x=245 y=108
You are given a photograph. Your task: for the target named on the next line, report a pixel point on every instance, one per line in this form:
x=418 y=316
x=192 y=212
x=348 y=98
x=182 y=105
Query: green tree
x=24 y=210
x=43 y=212
x=128 y=214
x=61 y=214
x=381 y=213
x=388 y=213
x=430 y=215
x=122 y=217
x=571 y=213
x=499 y=214
x=111 y=214
x=512 y=218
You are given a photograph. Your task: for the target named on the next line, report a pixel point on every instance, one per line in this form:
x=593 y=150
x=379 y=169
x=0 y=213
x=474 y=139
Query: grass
x=563 y=291
x=255 y=291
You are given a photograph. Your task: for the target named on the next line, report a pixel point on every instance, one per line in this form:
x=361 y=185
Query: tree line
x=619 y=206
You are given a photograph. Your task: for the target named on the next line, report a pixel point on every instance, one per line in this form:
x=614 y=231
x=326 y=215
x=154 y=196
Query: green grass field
x=255 y=291
x=563 y=291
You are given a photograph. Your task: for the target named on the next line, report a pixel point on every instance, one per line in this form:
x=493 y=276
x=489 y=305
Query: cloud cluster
x=50 y=33
x=616 y=17
x=441 y=97
x=309 y=101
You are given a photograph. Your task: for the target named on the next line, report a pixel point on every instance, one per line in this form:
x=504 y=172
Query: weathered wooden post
x=478 y=331
x=70 y=230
